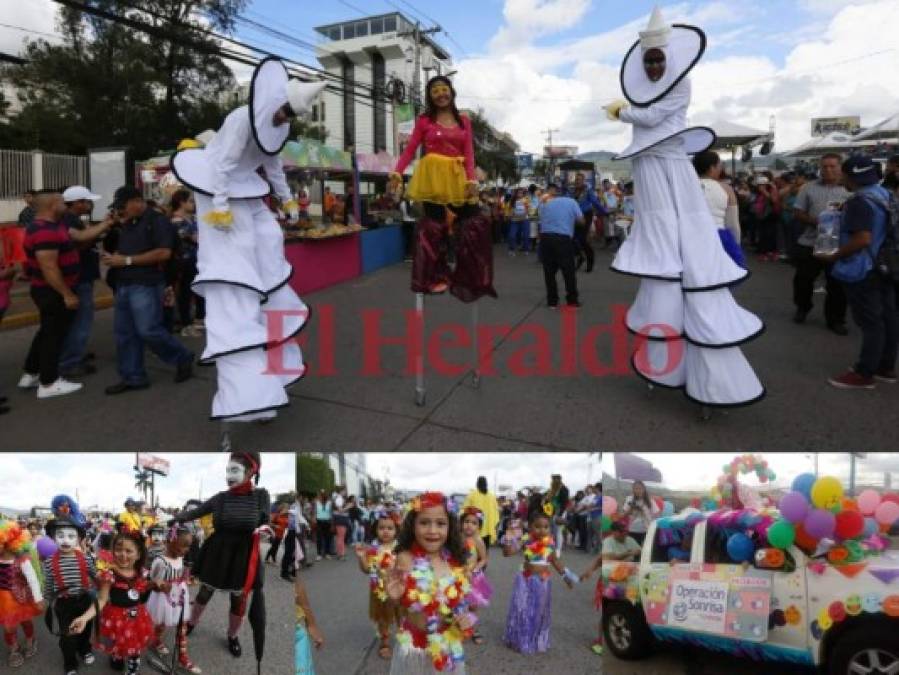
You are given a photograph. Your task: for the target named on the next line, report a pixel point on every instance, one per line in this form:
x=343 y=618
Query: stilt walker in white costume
x=684 y=307
x=251 y=311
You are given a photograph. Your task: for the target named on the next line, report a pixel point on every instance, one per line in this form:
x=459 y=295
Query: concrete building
x=371 y=54
x=350 y=470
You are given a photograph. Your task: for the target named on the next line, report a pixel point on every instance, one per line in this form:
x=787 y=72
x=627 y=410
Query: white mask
x=66 y=539
x=235 y=473
x=157 y=537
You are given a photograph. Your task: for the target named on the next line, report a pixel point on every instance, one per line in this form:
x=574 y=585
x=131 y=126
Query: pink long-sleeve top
x=451 y=141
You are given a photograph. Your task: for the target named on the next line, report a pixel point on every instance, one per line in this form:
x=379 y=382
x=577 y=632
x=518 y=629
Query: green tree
x=313 y=474
x=109 y=83
x=491 y=154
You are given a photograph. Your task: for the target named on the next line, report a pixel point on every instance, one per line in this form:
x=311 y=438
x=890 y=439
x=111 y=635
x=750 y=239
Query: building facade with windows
x=371 y=55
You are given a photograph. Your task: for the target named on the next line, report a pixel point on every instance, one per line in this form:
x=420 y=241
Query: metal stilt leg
x=476 y=373
x=705 y=413
x=419 y=358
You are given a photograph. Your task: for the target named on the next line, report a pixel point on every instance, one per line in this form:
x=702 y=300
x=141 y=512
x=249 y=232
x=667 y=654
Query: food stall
x=381 y=244
x=323 y=253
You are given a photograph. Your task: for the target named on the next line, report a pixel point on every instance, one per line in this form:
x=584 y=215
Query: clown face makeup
x=235 y=473
x=654 y=64
x=441 y=94
x=157 y=537
x=66 y=539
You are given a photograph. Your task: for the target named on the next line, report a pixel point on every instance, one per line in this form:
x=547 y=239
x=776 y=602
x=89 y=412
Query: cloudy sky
x=105 y=480
x=536 y=64
x=698 y=471
x=457 y=472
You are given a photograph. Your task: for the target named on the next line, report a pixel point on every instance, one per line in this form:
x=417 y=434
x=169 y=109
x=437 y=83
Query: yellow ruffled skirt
x=439 y=179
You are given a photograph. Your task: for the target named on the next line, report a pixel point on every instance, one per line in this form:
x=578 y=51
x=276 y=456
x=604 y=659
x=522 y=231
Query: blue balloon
x=870 y=527
x=668 y=509
x=740 y=547
x=803 y=483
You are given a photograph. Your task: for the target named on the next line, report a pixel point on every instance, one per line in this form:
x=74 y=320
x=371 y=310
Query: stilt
x=225 y=442
x=419 y=358
x=476 y=373
x=705 y=413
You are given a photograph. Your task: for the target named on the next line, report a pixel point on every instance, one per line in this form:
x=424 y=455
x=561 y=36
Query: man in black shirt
x=26 y=215
x=79 y=201
x=145 y=244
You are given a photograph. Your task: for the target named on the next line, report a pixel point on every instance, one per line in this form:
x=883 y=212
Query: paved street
x=208 y=648
x=683 y=661
x=508 y=412
x=338 y=592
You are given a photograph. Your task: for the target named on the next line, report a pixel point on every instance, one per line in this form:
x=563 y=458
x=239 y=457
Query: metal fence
x=26 y=170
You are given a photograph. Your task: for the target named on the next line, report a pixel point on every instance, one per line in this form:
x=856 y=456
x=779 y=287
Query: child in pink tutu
x=481 y=589
x=597 y=600
x=374 y=561
x=530 y=615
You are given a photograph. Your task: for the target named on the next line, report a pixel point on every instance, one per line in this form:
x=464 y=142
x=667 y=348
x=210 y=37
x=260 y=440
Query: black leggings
x=438 y=211
x=204 y=595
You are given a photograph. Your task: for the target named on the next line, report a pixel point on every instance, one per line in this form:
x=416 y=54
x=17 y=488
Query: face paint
x=157 y=537
x=235 y=473
x=441 y=94
x=66 y=539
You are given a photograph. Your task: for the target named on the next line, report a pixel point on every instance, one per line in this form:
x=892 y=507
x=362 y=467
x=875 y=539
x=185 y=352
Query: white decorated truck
x=784 y=606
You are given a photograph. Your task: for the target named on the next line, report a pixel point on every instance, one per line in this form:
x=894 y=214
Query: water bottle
x=828 y=239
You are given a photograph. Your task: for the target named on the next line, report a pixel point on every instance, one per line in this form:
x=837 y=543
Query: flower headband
x=428 y=500
x=473 y=511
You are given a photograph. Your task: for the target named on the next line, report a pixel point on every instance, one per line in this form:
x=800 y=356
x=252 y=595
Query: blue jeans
x=75 y=346
x=518 y=235
x=138 y=321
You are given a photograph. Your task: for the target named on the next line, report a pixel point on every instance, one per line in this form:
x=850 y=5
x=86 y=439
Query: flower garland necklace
x=440 y=601
x=538 y=550
x=380 y=558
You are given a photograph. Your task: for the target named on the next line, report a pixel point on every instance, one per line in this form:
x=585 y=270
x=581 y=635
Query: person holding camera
x=145 y=243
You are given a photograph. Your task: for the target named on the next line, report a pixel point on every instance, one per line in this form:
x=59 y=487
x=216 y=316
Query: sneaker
x=59 y=388
x=885 y=376
x=552 y=305
x=88 y=658
x=318 y=558
x=851 y=380
x=122 y=387
x=29 y=381
x=838 y=328
x=30 y=648
x=15 y=659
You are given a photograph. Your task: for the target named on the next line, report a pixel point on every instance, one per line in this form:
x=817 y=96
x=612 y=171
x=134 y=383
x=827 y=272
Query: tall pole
x=552 y=164
x=416 y=69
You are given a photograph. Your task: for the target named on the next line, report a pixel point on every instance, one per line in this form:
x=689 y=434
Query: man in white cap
x=74 y=360
x=252 y=313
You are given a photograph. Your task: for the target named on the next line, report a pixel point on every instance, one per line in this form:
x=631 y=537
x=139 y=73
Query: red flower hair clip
x=428 y=500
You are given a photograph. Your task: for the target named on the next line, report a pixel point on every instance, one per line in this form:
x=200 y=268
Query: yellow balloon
x=827 y=492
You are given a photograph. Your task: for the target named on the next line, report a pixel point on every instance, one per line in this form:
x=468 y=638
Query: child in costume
x=169 y=603
x=20 y=590
x=374 y=561
x=157 y=545
x=444 y=180
x=430 y=582
x=229 y=558
x=472 y=519
x=307 y=629
x=69 y=587
x=597 y=600
x=528 y=621
x=126 y=629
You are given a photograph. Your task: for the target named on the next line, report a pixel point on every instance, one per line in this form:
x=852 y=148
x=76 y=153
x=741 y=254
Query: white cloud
x=34 y=15
x=527 y=19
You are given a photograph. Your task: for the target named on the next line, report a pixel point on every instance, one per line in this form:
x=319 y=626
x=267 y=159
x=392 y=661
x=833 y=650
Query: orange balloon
x=849 y=504
x=891 y=605
x=803 y=540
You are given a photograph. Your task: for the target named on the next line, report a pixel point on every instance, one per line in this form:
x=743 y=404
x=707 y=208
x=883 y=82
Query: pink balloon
x=867 y=501
x=609 y=506
x=887 y=513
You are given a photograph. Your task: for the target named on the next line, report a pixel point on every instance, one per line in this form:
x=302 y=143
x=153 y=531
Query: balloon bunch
x=742 y=464
x=817 y=517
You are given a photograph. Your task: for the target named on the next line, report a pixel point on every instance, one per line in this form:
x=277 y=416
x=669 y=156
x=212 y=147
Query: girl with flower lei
x=528 y=621
x=472 y=519
x=429 y=581
x=374 y=561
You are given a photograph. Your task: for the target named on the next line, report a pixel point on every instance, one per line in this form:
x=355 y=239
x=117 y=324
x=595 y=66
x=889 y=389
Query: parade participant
x=640 y=510
x=444 y=180
x=591 y=207
x=130 y=517
x=597 y=601
x=157 y=546
x=20 y=591
x=241 y=264
x=689 y=324
x=374 y=561
x=229 y=558
x=69 y=578
x=476 y=564
x=307 y=629
x=430 y=565
x=126 y=629
x=485 y=502
x=722 y=201
x=169 y=603
x=530 y=615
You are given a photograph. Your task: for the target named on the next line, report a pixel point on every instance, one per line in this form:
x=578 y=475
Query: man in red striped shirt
x=51 y=265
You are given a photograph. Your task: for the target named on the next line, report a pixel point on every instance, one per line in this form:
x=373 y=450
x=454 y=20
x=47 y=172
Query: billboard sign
x=559 y=151
x=821 y=126
x=153 y=463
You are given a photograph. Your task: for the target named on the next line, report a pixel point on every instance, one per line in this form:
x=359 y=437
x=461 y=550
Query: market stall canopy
x=731 y=135
x=833 y=142
x=381 y=162
x=306 y=153
x=883 y=131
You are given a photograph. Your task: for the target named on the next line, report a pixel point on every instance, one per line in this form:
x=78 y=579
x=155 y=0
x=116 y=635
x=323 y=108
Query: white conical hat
x=656 y=33
x=300 y=95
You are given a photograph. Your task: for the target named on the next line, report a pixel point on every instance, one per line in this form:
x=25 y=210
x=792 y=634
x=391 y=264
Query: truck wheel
x=866 y=649
x=626 y=632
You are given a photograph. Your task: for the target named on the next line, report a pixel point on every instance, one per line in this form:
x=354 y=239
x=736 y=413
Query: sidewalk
x=349 y=410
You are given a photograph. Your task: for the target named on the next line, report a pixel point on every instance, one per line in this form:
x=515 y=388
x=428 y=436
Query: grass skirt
x=410 y=660
x=382 y=612
x=530 y=614
x=303 y=650
x=438 y=179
